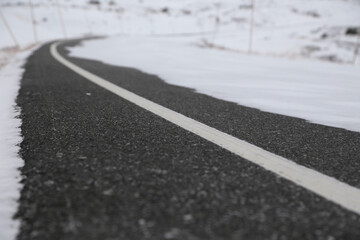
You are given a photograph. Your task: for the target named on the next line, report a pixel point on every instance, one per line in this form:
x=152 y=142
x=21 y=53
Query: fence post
x=251 y=25
x=61 y=19
x=33 y=20
x=357 y=46
x=217 y=23
x=9 y=29
x=87 y=21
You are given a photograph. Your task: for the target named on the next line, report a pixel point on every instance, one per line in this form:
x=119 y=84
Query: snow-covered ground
x=320 y=92
x=10 y=139
x=291 y=28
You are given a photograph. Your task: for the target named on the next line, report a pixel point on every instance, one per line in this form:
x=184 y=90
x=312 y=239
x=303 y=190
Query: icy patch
x=10 y=76
x=320 y=92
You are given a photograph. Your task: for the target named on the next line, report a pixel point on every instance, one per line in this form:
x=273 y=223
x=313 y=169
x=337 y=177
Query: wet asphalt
x=100 y=167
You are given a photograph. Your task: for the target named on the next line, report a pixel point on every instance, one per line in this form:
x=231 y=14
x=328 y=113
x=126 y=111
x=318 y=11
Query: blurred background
x=328 y=30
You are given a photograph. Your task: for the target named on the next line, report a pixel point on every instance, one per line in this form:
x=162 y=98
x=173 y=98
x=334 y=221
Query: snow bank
x=10 y=137
x=320 y=92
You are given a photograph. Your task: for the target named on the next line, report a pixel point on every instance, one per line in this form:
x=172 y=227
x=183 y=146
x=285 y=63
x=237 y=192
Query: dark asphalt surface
x=332 y=151
x=99 y=167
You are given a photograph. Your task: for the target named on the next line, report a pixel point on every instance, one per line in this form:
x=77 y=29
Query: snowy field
x=320 y=92
x=291 y=28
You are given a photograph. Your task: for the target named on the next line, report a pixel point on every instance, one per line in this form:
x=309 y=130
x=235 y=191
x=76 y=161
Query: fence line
x=217 y=23
x=60 y=8
x=33 y=20
x=9 y=29
x=251 y=30
x=87 y=22
x=61 y=18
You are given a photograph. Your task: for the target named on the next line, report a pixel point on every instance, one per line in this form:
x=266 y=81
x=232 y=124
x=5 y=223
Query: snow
x=320 y=92
x=291 y=28
x=10 y=186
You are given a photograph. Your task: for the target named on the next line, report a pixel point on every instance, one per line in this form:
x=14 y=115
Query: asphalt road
x=100 y=167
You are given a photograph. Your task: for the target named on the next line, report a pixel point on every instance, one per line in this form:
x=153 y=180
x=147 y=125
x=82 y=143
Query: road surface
x=98 y=166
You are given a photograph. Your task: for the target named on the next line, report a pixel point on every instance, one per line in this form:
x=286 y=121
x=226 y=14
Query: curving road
x=100 y=166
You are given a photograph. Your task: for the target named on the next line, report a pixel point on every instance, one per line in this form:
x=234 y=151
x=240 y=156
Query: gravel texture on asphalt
x=332 y=151
x=100 y=167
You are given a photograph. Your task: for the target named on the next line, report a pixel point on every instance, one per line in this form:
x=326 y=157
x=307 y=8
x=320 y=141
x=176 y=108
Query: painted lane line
x=323 y=185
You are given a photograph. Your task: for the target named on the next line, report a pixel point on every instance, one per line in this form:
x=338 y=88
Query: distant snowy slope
x=291 y=28
x=324 y=93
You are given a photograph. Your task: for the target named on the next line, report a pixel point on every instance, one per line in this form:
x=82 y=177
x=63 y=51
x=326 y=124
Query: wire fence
x=213 y=33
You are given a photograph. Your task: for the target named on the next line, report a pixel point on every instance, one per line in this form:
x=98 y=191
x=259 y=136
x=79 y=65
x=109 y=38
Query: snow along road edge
x=323 y=185
x=10 y=138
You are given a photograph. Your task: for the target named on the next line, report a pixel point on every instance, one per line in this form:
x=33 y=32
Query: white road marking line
x=323 y=185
